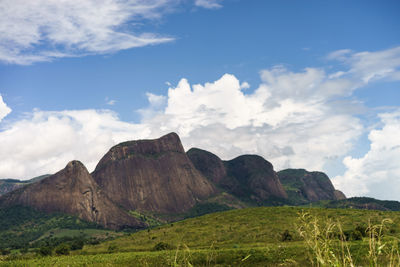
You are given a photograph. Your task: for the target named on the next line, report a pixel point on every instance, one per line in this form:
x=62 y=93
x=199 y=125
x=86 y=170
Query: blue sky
x=306 y=84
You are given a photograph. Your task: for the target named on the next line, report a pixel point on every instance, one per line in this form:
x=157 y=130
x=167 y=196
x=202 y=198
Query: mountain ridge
x=157 y=177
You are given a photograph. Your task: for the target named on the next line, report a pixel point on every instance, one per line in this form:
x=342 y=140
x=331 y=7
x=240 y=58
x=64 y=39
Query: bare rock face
x=339 y=195
x=248 y=177
x=304 y=186
x=209 y=164
x=255 y=177
x=152 y=175
x=72 y=191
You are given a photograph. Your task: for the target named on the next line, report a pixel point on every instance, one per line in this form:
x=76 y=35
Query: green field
x=264 y=236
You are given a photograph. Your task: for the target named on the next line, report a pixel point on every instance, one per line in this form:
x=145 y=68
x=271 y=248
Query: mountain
x=303 y=186
x=152 y=176
x=150 y=180
x=249 y=177
x=71 y=191
x=365 y=203
x=8 y=185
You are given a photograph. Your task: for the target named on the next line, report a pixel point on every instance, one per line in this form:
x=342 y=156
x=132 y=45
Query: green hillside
x=360 y=203
x=24 y=228
x=250 y=227
x=264 y=236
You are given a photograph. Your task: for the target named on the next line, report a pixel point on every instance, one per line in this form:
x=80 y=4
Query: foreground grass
x=246 y=228
x=286 y=255
x=248 y=237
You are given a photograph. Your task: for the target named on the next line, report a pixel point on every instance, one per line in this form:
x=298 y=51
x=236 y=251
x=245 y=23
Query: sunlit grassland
x=247 y=237
x=251 y=227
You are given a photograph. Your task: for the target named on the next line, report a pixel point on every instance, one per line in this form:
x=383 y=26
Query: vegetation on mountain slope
x=248 y=237
x=25 y=228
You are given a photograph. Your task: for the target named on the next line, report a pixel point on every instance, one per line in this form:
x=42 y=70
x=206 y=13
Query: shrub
x=162 y=246
x=45 y=251
x=286 y=236
x=62 y=249
x=4 y=251
x=362 y=229
x=77 y=244
x=112 y=248
x=356 y=235
x=24 y=250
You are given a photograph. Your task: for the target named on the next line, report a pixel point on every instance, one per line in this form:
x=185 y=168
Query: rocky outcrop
x=8 y=185
x=255 y=177
x=152 y=175
x=339 y=195
x=248 y=177
x=210 y=165
x=303 y=186
x=72 y=191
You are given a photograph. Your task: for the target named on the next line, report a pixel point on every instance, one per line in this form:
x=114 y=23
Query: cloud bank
x=44 y=142
x=305 y=119
x=377 y=173
x=4 y=109
x=42 y=30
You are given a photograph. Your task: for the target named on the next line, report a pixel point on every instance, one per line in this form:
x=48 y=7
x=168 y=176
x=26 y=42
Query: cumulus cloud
x=43 y=142
x=377 y=173
x=4 y=109
x=286 y=119
x=41 y=30
x=209 y=4
x=298 y=119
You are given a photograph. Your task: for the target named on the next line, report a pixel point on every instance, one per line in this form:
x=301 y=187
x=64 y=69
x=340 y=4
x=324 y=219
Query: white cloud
x=294 y=119
x=287 y=119
x=41 y=30
x=339 y=54
x=44 y=142
x=4 y=109
x=110 y=102
x=377 y=173
x=282 y=125
x=368 y=66
x=209 y=4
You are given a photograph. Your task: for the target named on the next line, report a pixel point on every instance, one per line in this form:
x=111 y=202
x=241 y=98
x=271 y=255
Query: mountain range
x=158 y=179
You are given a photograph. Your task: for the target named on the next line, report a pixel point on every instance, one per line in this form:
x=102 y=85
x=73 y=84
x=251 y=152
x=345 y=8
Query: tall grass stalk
x=182 y=257
x=321 y=238
x=329 y=246
x=378 y=247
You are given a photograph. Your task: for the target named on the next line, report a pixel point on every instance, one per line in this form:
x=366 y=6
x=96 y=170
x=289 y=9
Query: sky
x=306 y=84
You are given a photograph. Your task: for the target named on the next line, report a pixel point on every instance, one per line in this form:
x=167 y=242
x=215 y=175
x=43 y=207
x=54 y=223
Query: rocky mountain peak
x=249 y=177
x=152 y=175
x=305 y=186
x=72 y=191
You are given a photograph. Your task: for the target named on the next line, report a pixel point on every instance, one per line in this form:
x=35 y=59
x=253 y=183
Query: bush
x=4 y=251
x=24 y=250
x=77 y=244
x=286 y=236
x=362 y=229
x=352 y=235
x=45 y=251
x=112 y=248
x=162 y=246
x=62 y=249
x=356 y=235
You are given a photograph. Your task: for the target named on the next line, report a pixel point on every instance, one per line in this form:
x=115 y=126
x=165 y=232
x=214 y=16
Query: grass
x=252 y=227
x=250 y=237
x=96 y=233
